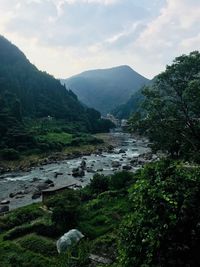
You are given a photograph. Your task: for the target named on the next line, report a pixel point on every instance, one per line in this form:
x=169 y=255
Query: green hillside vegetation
x=105 y=89
x=133 y=105
x=150 y=218
x=29 y=96
x=171 y=114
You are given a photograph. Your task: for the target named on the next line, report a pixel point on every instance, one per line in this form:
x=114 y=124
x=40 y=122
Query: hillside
x=132 y=105
x=105 y=89
x=27 y=94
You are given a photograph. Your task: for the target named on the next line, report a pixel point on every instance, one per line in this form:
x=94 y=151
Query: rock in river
x=78 y=172
x=116 y=164
x=4 y=209
x=5 y=201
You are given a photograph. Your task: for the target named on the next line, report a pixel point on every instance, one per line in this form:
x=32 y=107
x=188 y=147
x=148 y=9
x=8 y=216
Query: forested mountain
x=38 y=93
x=105 y=89
x=132 y=105
x=27 y=93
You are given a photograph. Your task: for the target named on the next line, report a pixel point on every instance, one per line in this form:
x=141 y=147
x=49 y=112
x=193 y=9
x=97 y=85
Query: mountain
x=27 y=93
x=132 y=105
x=104 y=89
x=38 y=93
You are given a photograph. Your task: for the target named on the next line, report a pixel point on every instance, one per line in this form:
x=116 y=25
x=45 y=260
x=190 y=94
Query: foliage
x=28 y=94
x=9 y=154
x=65 y=210
x=171 y=118
x=133 y=105
x=21 y=216
x=163 y=226
x=38 y=244
x=99 y=184
x=120 y=180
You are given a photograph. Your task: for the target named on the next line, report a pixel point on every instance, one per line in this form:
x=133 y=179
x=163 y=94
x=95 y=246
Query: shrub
x=163 y=227
x=119 y=180
x=9 y=154
x=21 y=216
x=39 y=245
x=99 y=184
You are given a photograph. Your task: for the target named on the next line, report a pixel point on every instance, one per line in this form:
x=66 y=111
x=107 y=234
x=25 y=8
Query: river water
x=23 y=184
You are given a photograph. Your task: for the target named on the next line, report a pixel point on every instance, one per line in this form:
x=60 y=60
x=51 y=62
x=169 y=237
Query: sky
x=66 y=37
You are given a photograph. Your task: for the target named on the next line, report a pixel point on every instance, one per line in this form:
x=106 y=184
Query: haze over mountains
x=105 y=89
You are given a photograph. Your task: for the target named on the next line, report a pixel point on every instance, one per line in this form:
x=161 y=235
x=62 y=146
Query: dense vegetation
x=28 y=95
x=150 y=218
x=107 y=88
x=147 y=219
x=133 y=105
x=171 y=114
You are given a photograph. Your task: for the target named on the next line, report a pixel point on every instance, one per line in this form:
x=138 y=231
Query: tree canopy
x=171 y=114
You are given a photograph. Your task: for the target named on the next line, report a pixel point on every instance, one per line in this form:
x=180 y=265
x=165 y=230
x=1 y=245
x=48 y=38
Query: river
x=18 y=187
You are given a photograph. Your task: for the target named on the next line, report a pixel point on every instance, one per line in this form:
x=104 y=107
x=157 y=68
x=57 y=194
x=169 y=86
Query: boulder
x=78 y=172
x=90 y=170
x=126 y=167
x=4 y=209
x=57 y=174
x=48 y=181
x=116 y=164
x=42 y=186
x=83 y=164
x=122 y=151
x=35 y=179
x=5 y=201
x=36 y=194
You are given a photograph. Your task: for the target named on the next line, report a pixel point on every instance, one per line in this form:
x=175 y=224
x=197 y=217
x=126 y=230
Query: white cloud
x=175 y=31
x=65 y=37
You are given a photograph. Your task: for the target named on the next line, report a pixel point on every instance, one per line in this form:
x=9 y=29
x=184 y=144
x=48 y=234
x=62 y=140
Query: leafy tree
x=99 y=184
x=172 y=116
x=163 y=227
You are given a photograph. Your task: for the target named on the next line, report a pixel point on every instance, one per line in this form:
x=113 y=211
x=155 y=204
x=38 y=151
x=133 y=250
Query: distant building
x=124 y=123
x=113 y=119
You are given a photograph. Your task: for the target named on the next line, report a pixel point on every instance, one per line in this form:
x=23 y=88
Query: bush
x=9 y=154
x=163 y=228
x=12 y=255
x=120 y=180
x=39 y=245
x=99 y=184
x=21 y=216
x=38 y=228
x=65 y=208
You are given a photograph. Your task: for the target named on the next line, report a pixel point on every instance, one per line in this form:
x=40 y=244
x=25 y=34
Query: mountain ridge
x=105 y=89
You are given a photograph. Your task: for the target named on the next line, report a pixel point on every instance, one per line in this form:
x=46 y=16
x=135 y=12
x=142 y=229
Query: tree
x=171 y=107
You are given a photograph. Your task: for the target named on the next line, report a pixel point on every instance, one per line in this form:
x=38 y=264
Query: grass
x=25 y=242
x=62 y=138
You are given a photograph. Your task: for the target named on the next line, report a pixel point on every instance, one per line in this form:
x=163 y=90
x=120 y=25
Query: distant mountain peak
x=104 y=89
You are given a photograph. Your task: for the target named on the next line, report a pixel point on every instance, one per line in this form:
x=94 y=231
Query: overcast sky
x=65 y=37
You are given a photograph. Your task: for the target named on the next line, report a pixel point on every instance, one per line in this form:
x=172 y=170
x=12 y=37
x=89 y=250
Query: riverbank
x=119 y=152
x=25 y=163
